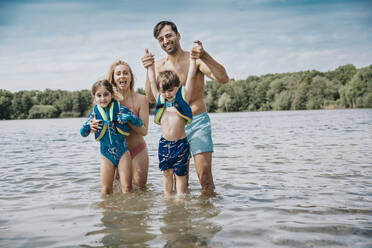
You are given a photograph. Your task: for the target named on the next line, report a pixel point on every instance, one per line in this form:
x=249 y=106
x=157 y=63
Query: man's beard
x=173 y=50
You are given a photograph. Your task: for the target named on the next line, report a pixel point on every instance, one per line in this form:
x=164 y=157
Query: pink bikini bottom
x=137 y=149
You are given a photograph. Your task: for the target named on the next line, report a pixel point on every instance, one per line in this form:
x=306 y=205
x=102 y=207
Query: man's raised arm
x=208 y=65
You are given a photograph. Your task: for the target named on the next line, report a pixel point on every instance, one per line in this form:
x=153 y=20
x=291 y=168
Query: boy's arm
x=208 y=65
x=152 y=78
x=147 y=61
x=190 y=76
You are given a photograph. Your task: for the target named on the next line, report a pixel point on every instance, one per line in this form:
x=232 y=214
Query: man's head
x=161 y=25
x=168 y=83
x=167 y=35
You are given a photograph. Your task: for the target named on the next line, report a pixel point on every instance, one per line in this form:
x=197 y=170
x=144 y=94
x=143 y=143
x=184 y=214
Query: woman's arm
x=143 y=114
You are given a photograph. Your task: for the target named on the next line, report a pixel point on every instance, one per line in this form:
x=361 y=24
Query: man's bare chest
x=180 y=70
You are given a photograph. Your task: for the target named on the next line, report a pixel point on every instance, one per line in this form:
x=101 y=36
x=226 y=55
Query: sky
x=70 y=44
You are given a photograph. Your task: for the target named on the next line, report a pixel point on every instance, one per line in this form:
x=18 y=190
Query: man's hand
x=197 y=51
x=148 y=59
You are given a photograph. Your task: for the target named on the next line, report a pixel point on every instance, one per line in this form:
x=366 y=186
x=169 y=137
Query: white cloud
x=71 y=45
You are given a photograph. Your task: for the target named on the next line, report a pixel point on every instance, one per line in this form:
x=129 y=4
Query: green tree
x=224 y=102
x=43 y=111
x=211 y=95
x=283 y=101
x=47 y=97
x=21 y=103
x=65 y=102
x=342 y=74
x=300 y=97
x=6 y=98
x=357 y=93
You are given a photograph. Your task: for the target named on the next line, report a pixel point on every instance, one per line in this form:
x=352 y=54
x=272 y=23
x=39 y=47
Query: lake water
x=283 y=179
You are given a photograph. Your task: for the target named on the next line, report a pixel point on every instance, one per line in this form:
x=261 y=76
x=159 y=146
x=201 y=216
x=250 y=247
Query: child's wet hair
x=102 y=83
x=167 y=80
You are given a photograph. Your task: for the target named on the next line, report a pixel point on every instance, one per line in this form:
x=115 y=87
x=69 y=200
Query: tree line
x=344 y=87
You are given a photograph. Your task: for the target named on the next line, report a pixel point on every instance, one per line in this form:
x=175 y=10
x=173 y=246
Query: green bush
x=69 y=114
x=43 y=111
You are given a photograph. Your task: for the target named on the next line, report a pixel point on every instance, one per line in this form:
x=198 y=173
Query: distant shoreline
x=343 y=88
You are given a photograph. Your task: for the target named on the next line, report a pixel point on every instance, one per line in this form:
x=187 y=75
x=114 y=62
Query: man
x=199 y=131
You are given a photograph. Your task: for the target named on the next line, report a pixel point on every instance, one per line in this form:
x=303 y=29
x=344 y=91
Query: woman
x=121 y=77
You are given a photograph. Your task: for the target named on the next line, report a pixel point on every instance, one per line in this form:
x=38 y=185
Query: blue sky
x=71 y=44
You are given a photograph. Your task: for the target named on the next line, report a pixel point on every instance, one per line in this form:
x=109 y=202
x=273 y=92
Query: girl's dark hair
x=161 y=25
x=167 y=80
x=103 y=83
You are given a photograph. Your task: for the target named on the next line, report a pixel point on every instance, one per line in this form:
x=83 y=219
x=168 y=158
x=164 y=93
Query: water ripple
x=283 y=179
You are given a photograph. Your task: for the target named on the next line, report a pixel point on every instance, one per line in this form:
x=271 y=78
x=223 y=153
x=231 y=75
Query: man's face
x=168 y=39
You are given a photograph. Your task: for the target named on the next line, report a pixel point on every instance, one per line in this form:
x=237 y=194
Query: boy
x=172 y=114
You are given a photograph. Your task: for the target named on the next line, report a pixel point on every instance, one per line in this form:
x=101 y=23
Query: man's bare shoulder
x=159 y=64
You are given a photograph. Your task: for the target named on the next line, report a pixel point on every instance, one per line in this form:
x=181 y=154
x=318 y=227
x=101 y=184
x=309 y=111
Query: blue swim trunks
x=174 y=155
x=199 y=134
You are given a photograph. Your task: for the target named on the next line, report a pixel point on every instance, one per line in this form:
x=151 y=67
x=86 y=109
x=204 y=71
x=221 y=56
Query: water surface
x=283 y=179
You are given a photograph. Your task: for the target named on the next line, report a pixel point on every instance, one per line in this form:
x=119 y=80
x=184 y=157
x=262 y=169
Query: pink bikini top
x=134 y=108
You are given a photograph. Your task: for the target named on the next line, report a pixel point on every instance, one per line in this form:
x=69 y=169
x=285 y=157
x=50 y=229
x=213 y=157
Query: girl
x=109 y=122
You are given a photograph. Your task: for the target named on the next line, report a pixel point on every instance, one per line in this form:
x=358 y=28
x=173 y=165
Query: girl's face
x=103 y=97
x=122 y=77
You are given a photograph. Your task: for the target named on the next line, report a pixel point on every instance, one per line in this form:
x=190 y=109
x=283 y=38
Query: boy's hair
x=161 y=25
x=167 y=80
x=102 y=83
x=110 y=75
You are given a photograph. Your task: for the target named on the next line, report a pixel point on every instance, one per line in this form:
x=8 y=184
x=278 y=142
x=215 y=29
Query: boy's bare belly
x=172 y=125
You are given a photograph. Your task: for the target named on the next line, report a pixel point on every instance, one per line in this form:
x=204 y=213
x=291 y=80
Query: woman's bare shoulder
x=140 y=97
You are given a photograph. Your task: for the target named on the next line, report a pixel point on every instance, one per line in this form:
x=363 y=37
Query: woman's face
x=122 y=77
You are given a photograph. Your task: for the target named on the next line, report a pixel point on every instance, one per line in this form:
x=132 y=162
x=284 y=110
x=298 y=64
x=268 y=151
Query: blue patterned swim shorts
x=174 y=155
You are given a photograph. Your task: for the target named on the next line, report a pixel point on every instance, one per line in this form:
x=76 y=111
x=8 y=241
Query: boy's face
x=102 y=97
x=169 y=95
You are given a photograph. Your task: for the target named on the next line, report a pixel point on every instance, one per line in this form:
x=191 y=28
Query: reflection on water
x=283 y=179
x=142 y=220
x=126 y=220
x=188 y=224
